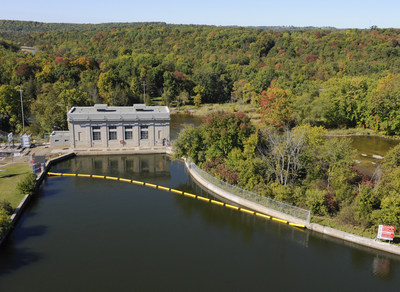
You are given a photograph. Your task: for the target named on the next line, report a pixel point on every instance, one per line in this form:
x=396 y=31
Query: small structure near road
x=60 y=138
x=102 y=126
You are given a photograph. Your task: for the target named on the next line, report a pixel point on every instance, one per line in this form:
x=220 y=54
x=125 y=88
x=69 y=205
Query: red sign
x=386 y=232
x=37 y=168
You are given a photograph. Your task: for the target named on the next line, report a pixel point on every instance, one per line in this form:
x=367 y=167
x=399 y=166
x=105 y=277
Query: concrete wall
x=241 y=201
x=364 y=241
x=60 y=138
x=81 y=134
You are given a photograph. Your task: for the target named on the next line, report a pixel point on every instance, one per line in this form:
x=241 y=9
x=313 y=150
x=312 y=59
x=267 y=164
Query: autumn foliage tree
x=276 y=110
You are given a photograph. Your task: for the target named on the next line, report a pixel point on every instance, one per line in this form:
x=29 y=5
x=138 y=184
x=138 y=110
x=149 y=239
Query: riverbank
x=10 y=176
x=25 y=200
x=326 y=231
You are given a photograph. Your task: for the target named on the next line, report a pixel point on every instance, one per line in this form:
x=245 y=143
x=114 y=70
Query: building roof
x=103 y=112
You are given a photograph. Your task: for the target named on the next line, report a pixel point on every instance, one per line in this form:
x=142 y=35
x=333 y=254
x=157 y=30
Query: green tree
x=10 y=108
x=50 y=113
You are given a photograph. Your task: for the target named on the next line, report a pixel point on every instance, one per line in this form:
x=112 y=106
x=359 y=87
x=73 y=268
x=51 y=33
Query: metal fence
x=294 y=211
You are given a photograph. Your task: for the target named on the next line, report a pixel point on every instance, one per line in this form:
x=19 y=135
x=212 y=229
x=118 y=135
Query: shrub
x=315 y=200
x=27 y=184
x=5 y=205
x=5 y=222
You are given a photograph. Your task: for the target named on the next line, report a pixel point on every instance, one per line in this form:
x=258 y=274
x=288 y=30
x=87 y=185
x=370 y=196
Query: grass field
x=9 y=178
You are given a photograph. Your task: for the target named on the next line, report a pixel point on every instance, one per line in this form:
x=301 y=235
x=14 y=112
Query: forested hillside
x=329 y=77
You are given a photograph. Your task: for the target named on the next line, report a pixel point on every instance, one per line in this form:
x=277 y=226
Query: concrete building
x=102 y=126
x=59 y=138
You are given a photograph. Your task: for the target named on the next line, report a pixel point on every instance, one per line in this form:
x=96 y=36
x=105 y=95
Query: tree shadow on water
x=22 y=233
x=13 y=257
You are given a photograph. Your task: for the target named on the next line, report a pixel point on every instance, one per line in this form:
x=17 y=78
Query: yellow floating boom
x=163 y=188
x=189 y=195
x=232 y=207
x=180 y=193
x=280 y=220
x=150 y=185
x=217 y=202
x=84 y=175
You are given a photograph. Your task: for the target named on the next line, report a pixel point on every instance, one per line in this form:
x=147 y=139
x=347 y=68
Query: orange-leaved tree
x=276 y=110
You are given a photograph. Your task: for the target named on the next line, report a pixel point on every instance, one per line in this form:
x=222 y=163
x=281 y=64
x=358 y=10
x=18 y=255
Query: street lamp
x=22 y=110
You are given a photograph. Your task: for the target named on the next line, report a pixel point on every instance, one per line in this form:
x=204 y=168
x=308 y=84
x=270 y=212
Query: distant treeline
x=17 y=26
x=329 y=77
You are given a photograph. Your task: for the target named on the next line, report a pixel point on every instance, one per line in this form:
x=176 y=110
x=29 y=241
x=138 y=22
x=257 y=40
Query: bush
x=5 y=205
x=27 y=184
x=315 y=200
x=5 y=222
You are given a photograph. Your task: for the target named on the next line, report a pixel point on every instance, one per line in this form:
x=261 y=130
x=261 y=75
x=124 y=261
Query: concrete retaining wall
x=241 y=201
x=123 y=151
x=364 y=241
x=345 y=236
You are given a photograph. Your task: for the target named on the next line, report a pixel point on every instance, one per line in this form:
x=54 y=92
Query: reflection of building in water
x=134 y=126
x=121 y=165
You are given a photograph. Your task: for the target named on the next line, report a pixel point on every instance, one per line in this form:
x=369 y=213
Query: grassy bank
x=10 y=176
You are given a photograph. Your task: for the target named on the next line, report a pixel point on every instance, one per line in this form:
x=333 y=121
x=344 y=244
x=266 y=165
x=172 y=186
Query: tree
x=10 y=108
x=244 y=92
x=219 y=134
x=276 y=110
x=281 y=152
x=385 y=106
x=50 y=113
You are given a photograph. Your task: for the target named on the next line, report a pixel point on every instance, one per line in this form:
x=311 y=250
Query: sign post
x=386 y=232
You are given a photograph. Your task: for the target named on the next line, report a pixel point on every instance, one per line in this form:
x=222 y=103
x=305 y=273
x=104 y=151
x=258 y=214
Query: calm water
x=82 y=234
x=369 y=146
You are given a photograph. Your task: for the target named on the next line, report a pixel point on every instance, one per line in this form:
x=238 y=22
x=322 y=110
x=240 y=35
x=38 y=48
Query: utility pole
x=144 y=91
x=22 y=110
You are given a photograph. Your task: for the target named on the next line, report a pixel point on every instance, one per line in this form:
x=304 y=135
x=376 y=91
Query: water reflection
x=381 y=267
x=119 y=165
x=213 y=215
x=108 y=235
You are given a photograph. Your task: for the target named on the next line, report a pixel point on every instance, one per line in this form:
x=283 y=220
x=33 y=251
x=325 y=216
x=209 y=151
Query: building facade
x=103 y=126
x=59 y=138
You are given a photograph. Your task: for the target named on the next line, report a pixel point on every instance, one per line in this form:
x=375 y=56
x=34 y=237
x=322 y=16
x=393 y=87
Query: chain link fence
x=294 y=211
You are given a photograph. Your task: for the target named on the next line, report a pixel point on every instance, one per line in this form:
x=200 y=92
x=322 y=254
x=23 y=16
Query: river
x=86 y=234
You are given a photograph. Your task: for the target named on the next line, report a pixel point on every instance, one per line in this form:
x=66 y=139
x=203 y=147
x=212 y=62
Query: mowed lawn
x=9 y=178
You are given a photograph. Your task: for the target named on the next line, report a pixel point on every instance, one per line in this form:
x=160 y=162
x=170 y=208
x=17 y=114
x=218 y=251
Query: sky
x=318 y=13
